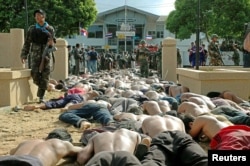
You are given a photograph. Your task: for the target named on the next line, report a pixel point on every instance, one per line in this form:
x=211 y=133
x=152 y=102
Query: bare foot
x=29 y=108
x=64 y=109
x=146 y=141
x=84 y=125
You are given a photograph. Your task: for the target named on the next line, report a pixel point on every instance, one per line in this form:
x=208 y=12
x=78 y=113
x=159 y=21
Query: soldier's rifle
x=220 y=56
x=50 y=47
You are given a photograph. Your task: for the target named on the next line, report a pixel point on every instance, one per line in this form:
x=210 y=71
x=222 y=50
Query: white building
x=136 y=25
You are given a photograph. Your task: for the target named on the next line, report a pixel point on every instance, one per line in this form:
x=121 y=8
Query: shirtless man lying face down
x=194 y=106
x=222 y=133
x=185 y=96
x=170 y=144
x=156 y=107
x=119 y=140
x=40 y=153
x=154 y=125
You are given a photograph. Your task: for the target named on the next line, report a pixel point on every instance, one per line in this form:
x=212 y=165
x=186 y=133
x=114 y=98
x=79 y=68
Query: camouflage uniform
x=215 y=56
x=34 y=45
x=142 y=57
x=179 y=60
x=236 y=57
x=159 y=62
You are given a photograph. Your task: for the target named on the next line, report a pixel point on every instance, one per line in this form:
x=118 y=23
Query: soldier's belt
x=142 y=57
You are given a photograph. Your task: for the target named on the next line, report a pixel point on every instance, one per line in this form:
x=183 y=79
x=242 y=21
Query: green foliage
x=64 y=15
x=225 y=18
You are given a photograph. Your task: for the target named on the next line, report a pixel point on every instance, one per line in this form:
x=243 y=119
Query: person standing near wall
x=38 y=38
x=205 y=52
x=93 y=57
x=70 y=60
x=78 y=58
x=179 y=59
x=246 y=46
x=214 y=52
x=133 y=57
x=236 y=55
x=142 y=58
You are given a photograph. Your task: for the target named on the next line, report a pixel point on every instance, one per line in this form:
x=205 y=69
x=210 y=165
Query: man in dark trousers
x=93 y=57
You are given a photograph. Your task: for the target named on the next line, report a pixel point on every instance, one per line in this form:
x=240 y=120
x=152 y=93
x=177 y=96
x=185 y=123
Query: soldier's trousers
x=40 y=79
x=174 y=148
x=144 y=68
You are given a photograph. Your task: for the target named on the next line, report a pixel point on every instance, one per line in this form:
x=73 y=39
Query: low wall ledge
x=14 y=74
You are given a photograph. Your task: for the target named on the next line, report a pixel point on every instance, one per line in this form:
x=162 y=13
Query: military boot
x=40 y=94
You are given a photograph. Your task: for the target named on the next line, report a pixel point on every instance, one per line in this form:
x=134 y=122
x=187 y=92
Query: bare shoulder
x=206 y=118
x=169 y=117
x=163 y=102
x=125 y=131
x=149 y=102
x=31 y=142
x=153 y=117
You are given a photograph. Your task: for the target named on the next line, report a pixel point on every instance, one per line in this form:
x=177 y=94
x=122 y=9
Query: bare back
x=128 y=93
x=49 y=152
x=164 y=106
x=152 y=107
x=131 y=116
x=207 y=125
x=152 y=95
x=154 y=125
x=192 y=108
x=120 y=140
x=25 y=147
x=207 y=100
x=174 y=90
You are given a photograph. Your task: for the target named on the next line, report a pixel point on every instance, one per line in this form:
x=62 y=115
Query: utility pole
x=26 y=28
x=197 y=55
x=27 y=16
x=125 y=37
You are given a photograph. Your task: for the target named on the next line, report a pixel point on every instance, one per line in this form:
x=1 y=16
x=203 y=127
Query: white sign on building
x=125 y=33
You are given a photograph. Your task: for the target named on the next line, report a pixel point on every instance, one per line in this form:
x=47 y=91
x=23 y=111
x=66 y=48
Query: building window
x=111 y=29
x=160 y=31
x=152 y=33
x=160 y=34
x=95 y=31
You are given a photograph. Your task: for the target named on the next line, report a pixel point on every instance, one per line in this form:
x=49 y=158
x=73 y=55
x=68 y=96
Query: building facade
x=121 y=29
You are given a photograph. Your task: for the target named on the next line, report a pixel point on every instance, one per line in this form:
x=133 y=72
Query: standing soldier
x=78 y=58
x=236 y=55
x=70 y=59
x=142 y=58
x=205 y=54
x=179 y=59
x=214 y=52
x=159 y=60
x=38 y=38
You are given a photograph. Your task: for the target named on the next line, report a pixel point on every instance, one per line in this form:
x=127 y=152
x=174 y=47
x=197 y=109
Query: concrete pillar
x=16 y=87
x=169 y=59
x=5 y=57
x=61 y=60
x=16 y=45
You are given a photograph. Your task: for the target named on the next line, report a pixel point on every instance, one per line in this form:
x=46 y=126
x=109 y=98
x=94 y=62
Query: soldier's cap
x=214 y=36
x=142 y=42
x=39 y=11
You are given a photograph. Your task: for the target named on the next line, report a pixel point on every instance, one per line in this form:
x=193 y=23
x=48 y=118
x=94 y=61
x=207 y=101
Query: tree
x=225 y=19
x=229 y=20
x=64 y=15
